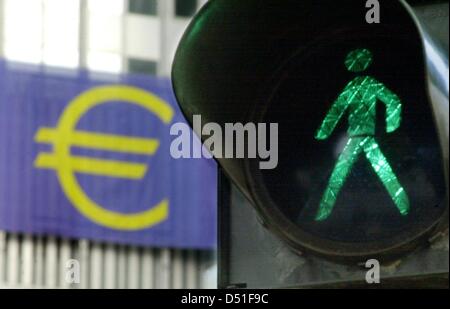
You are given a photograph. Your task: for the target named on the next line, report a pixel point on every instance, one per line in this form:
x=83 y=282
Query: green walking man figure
x=360 y=97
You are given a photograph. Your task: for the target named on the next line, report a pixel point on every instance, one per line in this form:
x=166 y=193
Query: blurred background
x=109 y=36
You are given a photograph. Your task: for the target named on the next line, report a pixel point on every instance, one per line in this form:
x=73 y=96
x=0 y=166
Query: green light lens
x=358 y=60
x=360 y=97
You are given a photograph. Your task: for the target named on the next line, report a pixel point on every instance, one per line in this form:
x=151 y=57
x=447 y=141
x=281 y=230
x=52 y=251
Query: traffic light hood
x=286 y=62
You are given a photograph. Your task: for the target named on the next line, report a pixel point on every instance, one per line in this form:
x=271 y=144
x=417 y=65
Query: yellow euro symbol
x=65 y=135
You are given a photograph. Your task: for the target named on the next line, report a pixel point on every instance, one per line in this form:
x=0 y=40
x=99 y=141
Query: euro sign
x=66 y=165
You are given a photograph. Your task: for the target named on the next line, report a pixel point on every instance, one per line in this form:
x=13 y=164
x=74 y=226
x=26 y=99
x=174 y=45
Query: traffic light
x=362 y=113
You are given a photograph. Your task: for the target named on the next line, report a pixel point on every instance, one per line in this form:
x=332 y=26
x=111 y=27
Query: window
x=104 y=35
x=61 y=31
x=46 y=32
x=142 y=66
x=185 y=8
x=145 y=7
x=142 y=37
x=23 y=30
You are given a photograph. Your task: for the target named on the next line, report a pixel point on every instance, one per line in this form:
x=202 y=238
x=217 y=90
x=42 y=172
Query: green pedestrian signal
x=362 y=133
x=360 y=96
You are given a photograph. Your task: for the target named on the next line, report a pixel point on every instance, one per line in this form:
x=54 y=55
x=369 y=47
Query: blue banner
x=88 y=156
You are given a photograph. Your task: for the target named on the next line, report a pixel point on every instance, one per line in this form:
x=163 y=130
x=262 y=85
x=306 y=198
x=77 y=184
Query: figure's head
x=358 y=60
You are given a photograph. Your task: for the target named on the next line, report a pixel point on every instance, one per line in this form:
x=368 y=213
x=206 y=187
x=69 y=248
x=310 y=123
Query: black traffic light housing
x=271 y=61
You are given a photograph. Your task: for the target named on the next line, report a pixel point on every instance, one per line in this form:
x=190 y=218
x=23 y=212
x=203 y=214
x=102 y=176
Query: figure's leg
x=339 y=175
x=384 y=171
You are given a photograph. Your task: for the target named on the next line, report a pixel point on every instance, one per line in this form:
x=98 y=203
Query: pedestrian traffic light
x=362 y=114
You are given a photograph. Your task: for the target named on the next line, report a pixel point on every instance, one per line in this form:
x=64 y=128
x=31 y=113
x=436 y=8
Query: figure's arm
x=334 y=115
x=393 y=108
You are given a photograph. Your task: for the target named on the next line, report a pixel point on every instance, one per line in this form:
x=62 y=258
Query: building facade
x=114 y=36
